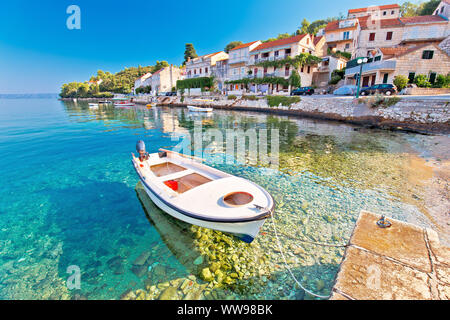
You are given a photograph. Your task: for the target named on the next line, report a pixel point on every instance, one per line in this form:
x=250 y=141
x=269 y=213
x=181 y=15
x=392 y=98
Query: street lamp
x=360 y=61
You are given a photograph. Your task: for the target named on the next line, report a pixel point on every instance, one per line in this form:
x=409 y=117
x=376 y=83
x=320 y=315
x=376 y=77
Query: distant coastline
x=28 y=95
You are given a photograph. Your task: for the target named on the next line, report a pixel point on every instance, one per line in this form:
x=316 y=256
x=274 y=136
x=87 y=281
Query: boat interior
x=185 y=179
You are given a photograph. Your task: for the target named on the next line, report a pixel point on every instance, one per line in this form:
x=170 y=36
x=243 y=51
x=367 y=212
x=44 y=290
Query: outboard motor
x=140 y=146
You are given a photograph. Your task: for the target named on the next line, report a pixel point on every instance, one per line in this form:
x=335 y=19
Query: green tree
x=159 y=65
x=409 y=9
x=428 y=8
x=280 y=36
x=400 y=82
x=189 y=52
x=232 y=45
x=304 y=27
x=295 y=80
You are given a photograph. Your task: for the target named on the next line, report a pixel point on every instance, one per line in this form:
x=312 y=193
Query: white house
x=139 y=82
x=239 y=58
x=201 y=66
x=443 y=9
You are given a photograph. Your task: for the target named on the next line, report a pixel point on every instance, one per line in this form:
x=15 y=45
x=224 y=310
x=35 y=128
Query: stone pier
x=402 y=262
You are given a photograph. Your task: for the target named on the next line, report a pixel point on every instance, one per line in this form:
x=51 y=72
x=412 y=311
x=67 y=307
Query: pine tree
x=189 y=52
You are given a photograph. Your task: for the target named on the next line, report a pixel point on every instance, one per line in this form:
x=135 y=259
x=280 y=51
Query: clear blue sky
x=38 y=53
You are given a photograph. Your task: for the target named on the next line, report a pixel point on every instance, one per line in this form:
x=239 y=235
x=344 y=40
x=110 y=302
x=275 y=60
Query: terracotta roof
x=382 y=23
x=317 y=40
x=280 y=42
x=422 y=19
x=245 y=45
x=400 y=51
x=385 y=7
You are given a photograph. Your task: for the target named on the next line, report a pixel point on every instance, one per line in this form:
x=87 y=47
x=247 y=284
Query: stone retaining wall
x=427 y=91
x=419 y=115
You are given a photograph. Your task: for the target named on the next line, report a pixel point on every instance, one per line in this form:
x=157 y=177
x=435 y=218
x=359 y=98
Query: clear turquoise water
x=67 y=196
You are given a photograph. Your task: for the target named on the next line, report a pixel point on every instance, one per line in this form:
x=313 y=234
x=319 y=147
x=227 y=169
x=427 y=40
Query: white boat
x=93 y=105
x=204 y=196
x=122 y=102
x=199 y=109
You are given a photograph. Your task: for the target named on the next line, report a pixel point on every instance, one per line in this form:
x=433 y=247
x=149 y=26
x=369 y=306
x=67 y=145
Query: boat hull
x=246 y=231
x=198 y=109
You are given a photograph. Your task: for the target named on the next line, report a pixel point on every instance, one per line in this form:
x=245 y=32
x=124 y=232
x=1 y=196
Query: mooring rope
x=289 y=269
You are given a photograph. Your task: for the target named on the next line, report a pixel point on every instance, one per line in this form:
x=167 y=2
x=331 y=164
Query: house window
x=206 y=70
x=303 y=50
x=442 y=9
x=276 y=53
x=372 y=36
x=265 y=55
x=345 y=35
x=255 y=71
x=347 y=46
x=288 y=51
x=200 y=70
x=301 y=70
x=384 y=13
x=389 y=35
x=307 y=40
x=411 y=77
x=286 y=70
x=377 y=58
x=432 y=78
x=385 y=78
x=256 y=57
x=265 y=70
x=427 y=54
x=195 y=71
x=309 y=69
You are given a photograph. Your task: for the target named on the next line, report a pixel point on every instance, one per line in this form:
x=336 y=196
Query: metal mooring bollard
x=383 y=222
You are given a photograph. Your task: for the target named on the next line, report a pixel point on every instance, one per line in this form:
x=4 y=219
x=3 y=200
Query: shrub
x=379 y=101
x=421 y=81
x=442 y=81
x=400 y=82
x=274 y=101
x=232 y=97
x=250 y=97
x=334 y=80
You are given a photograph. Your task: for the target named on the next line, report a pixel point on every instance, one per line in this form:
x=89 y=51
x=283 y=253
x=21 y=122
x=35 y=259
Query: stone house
x=239 y=58
x=390 y=11
x=165 y=79
x=279 y=50
x=201 y=66
x=342 y=35
x=386 y=63
x=443 y=9
x=220 y=72
x=329 y=63
x=141 y=81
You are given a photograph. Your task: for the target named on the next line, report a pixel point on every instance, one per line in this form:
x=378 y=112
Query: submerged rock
x=169 y=294
x=142 y=259
x=207 y=275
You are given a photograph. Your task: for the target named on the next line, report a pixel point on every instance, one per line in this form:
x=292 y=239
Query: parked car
x=387 y=89
x=302 y=91
x=171 y=94
x=347 y=90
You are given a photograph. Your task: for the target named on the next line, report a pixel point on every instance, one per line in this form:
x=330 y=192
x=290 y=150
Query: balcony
x=387 y=65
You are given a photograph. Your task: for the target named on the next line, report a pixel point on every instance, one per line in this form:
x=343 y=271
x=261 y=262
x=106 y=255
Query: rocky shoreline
x=413 y=115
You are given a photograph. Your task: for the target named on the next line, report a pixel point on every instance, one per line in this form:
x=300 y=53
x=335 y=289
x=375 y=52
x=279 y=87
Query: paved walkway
x=400 y=262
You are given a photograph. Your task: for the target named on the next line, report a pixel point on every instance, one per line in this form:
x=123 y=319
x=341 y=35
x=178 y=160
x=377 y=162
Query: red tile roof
x=245 y=45
x=422 y=19
x=317 y=40
x=280 y=42
x=381 y=23
x=400 y=51
x=385 y=7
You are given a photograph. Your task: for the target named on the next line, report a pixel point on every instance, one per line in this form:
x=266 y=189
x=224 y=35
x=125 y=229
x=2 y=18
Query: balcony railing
x=372 y=66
